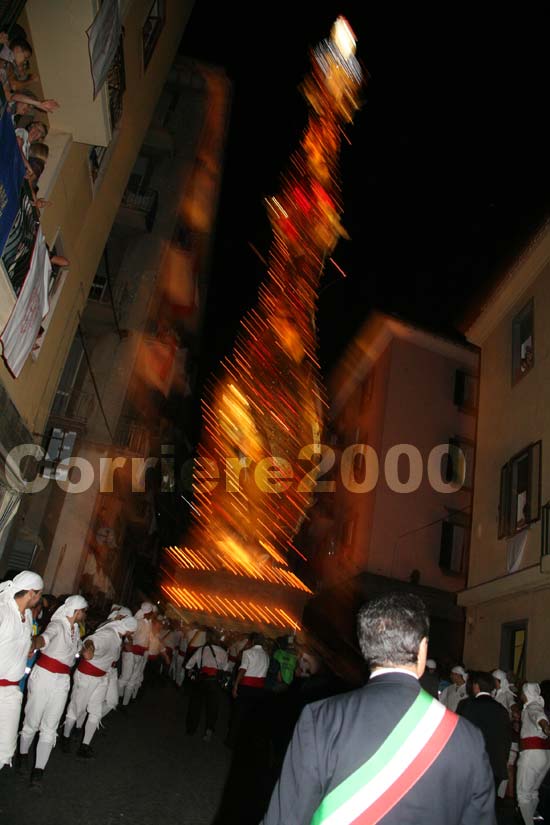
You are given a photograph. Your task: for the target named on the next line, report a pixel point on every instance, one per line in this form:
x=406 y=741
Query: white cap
x=460 y=670
x=431 y=664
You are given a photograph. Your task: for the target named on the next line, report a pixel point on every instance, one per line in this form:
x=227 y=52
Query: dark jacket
x=430 y=683
x=494 y=722
x=334 y=737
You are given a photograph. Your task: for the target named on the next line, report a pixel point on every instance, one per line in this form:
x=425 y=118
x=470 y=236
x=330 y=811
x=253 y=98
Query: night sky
x=446 y=176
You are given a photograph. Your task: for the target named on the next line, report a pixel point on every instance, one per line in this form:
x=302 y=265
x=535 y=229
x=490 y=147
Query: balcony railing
x=132 y=435
x=116 y=84
x=144 y=203
x=71 y=410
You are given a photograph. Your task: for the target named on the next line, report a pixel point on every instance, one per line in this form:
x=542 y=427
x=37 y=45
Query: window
x=520 y=491
x=365 y=394
x=460 y=462
x=545 y=532
x=454 y=544
x=58 y=277
x=98 y=289
x=513 y=648
x=152 y=28
x=59 y=450
x=523 y=342
x=348 y=531
x=465 y=395
x=98 y=156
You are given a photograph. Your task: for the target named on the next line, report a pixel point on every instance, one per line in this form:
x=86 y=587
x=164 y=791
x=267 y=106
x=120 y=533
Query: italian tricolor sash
x=378 y=785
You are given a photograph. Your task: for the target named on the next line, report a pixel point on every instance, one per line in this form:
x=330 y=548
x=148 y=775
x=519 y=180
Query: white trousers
x=533 y=765
x=177 y=671
x=10 y=710
x=134 y=677
x=127 y=661
x=46 y=698
x=87 y=697
x=111 y=697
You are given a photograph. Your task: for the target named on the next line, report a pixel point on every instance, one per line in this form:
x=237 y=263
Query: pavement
x=146 y=771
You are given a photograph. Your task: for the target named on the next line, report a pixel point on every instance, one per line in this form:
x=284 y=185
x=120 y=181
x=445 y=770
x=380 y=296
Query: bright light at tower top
x=343 y=37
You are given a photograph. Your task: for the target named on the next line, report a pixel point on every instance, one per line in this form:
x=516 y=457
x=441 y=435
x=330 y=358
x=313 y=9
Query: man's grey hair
x=390 y=629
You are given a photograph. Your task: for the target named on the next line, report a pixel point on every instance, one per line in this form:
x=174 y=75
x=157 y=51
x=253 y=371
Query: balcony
x=138 y=209
x=58 y=32
x=71 y=410
x=132 y=436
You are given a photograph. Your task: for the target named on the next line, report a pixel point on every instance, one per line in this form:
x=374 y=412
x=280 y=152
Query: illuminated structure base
x=199 y=591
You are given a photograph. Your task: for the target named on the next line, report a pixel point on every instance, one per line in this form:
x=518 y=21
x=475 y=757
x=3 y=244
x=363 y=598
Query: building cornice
x=517 y=280
x=530 y=578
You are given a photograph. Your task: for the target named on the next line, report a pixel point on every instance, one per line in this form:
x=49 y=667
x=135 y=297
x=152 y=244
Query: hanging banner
x=12 y=172
x=32 y=306
x=103 y=40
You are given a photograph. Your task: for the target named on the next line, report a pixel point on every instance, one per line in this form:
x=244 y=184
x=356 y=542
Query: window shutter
x=460 y=385
x=533 y=499
x=446 y=548
x=504 y=502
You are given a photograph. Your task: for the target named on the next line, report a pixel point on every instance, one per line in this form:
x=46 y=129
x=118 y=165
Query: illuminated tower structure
x=262 y=420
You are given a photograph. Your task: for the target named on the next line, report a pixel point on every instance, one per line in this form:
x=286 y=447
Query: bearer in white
x=134 y=655
x=91 y=679
x=17 y=597
x=50 y=681
x=111 y=698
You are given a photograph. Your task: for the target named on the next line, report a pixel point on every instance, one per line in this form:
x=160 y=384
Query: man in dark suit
x=388 y=752
x=491 y=718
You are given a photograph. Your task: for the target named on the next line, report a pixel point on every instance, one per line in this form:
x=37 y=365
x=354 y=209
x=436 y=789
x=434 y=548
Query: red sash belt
x=209 y=671
x=53 y=665
x=253 y=681
x=534 y=743
x=153 y=658
x=138 y=650
x=84 y=666
x=7 y=683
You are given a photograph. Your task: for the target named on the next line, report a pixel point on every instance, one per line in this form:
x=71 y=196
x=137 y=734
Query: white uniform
x=255 y=663
x=534 y=758
x=15 y=643
x=91 y=682
x=176 y=665
x=134 y=661
x=48 y=687
x=452 y=695
x=209 y=658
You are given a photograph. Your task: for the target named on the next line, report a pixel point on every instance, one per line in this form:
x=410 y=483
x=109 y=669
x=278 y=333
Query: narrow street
x=146 y=771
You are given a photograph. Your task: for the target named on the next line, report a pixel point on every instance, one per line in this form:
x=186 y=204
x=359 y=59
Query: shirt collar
x=381 y=671
x=483 y=693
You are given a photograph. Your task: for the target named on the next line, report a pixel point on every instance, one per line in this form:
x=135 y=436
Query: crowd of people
x=61 y=674
x=513 y=717
x=23 y=102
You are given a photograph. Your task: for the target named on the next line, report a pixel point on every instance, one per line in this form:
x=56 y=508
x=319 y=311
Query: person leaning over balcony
x=388 y=752
x=50 y=681
x=534 y=757
x=25 y=102
x=17 y=598
x=14 y=63
x=35 y=132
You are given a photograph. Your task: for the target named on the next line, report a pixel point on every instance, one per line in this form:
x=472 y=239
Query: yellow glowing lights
x=269 y=400
x=234 y=558
x=343 y=37
x=224 y=606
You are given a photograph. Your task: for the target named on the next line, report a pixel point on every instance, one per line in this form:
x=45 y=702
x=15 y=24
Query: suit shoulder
x=467 y=733
x=335 y=705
